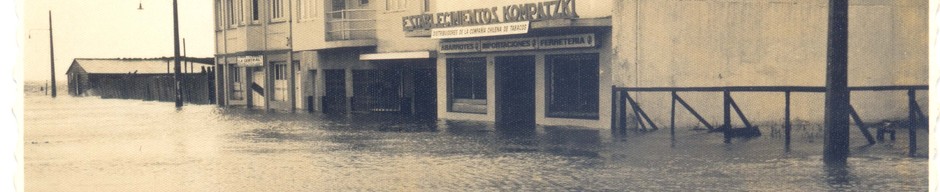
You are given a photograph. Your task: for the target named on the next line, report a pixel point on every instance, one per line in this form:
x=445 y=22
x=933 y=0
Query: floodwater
x=91 y=144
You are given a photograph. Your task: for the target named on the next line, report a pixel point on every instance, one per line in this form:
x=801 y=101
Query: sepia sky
x=109 y=29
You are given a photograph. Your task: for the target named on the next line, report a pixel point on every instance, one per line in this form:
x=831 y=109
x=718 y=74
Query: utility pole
x=836 y=141
x=51 y=56
x=176 y=57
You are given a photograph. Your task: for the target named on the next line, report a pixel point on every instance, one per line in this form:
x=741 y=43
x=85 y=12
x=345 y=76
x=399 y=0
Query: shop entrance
x=334 y=101
x=515 y=91
x=425 y=97
x=257 y=86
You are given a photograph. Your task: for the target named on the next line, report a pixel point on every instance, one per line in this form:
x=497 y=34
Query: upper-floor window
x=394 y=5
x=427 y=6
x=308 y=9
x=278 y=10
x=219 y=15
x=234 y=10
x=255 y=12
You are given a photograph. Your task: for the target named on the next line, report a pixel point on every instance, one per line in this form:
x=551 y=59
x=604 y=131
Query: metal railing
x=350 y=24
x=621 y=97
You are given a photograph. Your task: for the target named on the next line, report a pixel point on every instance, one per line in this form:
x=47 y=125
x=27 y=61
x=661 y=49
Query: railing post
x=786 y=121
x=622 y=100
x=672 y=117
x=727 y=116
x=912 y=131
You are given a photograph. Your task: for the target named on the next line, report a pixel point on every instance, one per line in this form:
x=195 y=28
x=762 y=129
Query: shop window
x=280 y=81
x=572 y=86
x=467 y=84
x=308 y=9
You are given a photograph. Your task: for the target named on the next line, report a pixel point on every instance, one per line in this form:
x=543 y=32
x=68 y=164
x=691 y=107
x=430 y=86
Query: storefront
x=535 y=63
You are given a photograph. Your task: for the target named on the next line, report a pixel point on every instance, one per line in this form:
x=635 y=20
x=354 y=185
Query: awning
x=398 y=55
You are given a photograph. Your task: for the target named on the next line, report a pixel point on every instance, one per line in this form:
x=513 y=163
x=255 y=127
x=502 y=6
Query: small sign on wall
x=249 y=61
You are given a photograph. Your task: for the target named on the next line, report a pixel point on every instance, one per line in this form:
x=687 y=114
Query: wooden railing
x=621 y=97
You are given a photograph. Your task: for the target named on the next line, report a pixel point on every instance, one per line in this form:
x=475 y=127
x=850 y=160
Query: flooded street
x=91 y=144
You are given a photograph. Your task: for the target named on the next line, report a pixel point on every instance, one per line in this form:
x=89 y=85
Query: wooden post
x=672 y=117
x=912 y=116
x=786 y=122
x=836 y=136
x=176 y=57
x=727 y=116
x=51 y=57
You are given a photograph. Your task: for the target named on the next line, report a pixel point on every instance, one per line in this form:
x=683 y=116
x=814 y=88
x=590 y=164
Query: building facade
x=548 y=62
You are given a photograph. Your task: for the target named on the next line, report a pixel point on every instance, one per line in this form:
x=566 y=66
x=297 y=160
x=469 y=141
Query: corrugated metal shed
x=125 y=66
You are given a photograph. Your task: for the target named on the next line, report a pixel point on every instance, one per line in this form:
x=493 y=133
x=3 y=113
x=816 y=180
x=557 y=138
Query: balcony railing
x=350 y=24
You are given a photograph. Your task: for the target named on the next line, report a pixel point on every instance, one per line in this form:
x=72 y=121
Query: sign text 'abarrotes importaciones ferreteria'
x=513 y=16
x=520 y=44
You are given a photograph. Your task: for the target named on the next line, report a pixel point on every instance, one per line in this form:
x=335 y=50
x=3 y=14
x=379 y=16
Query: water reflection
x=840 y=177
x=149 y=145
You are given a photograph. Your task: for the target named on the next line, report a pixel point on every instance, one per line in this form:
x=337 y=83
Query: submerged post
x=912 y=116
x=836 y=136
x=786 y=122
x=727 y=116
x=176 y=58
x=672 y=117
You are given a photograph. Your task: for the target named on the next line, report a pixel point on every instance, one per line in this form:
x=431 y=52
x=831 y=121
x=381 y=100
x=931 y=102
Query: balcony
x=350 y=24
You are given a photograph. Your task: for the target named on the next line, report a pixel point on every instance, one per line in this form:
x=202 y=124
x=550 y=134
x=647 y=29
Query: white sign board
x=521 y=27
x=249 y=61
x=566 y=41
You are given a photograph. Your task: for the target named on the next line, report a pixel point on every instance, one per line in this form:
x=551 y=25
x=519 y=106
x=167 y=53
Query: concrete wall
x=390 y=35
x=674 y=43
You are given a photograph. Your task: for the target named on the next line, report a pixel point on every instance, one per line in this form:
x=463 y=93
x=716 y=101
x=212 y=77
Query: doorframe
x=499 y=75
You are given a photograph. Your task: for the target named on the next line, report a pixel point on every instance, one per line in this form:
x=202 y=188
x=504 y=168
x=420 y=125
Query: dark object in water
x=883 y=127
x=746 y=132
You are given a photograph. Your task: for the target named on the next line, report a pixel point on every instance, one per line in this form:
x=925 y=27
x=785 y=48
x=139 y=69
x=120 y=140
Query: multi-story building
x=323 y=55
x=550 y=62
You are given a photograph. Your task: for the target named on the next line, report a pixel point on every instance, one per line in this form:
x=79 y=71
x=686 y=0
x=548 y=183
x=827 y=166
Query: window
x=219 y=15
x=427 y=6
x=393 y=5
x=277 y=9
x=467 y=88
x=308 y=9
x=572 y=85
x=280 y=81
x=254 y=10
x=363 y=2
x=235 y=12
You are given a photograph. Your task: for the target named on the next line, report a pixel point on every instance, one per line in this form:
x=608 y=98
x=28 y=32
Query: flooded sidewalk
x=91 y=144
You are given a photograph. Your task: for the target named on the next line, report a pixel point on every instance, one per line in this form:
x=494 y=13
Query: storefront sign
x=460 y=47
x=554 y=9
x=481 y=30
x=249 y=61
x=567 y=41
x=519 y=44
x=508 y=44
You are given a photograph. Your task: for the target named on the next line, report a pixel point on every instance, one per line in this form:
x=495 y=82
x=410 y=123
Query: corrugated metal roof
x=138 y=66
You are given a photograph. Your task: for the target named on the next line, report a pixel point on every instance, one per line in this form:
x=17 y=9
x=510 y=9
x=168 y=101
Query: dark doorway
x=334 y=101
x=425 y=97
x=515 y=91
